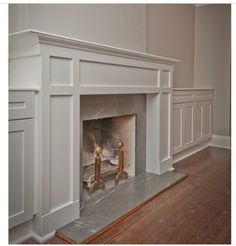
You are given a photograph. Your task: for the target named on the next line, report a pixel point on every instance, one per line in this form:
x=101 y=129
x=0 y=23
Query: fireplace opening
x=108 y=152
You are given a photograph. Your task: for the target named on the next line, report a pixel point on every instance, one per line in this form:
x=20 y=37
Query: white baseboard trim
x=41 y=239
x=186 y=153
x=220 y=141
x=22 y=239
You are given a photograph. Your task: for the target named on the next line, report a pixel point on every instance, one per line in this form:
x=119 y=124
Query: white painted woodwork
x=61 y=146
x=21 y=105
x=116 y=75
x=21 y=158
x=192 y=117
x=188 y=124
x=177 y=126
x=165 y=126
x=62 y=69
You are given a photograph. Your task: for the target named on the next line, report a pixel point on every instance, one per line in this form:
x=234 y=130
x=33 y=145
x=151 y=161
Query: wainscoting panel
x=20 y=171
x=177 y=127
x=61 y=154
x=188 y=124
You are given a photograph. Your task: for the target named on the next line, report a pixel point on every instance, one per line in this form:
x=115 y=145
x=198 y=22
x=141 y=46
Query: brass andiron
x=97 y=174
x=121 y=171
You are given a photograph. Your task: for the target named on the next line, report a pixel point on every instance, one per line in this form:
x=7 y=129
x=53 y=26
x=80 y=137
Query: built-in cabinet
x=21 y=157
x=192 y=118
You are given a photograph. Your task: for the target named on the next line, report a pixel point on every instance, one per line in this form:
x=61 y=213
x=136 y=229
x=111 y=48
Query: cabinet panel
x=196 y=109
x=177 y=127
x=206 y=119
x=20 y=171
x=197 y=122
x=188 y=124
x=21 y=105
x=165 y=126
x=16 y=174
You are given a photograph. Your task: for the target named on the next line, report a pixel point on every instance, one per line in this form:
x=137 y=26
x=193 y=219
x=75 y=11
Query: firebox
x=108 y=150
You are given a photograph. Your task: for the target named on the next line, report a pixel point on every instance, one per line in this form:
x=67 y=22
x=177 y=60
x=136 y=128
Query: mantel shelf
x=48 y=38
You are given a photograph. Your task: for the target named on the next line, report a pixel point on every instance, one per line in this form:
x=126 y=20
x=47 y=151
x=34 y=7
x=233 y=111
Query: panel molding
x=26 y=127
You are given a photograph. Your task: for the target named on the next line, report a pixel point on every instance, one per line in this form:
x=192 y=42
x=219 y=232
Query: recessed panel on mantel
x=106 y=74
x=60 y=71
x=164 y=126
x=165 y=78
x=61 y=150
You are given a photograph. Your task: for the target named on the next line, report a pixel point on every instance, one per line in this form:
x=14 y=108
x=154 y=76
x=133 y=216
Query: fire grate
x=107 y=169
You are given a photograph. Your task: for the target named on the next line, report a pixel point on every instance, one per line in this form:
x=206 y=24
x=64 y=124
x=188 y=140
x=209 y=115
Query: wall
x=121 y=25
x=212 y=60
x=170 y=32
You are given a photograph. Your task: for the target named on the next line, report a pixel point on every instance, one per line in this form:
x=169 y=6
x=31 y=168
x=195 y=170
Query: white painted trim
x=23 y=89
x=193 y=89
x=41 y=239
x=188 y=152
x=221 y=141
x=22 y=239
x=52 y=39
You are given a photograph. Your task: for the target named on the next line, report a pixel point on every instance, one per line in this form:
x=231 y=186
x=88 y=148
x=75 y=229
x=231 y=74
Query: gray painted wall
x=170 y=32
x=121 y=25
x=212 y=60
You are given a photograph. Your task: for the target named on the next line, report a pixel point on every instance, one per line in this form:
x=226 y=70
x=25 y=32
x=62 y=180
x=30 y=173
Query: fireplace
x=107 y=120
x=77 y=81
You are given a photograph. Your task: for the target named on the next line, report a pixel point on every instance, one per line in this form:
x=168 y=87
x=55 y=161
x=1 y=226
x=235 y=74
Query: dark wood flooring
x=196 y=210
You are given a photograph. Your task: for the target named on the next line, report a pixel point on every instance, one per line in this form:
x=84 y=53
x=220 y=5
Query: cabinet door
x=21 y=154
x=188 y=124
x=177 y=137
x=206 y=119
x=197 y=127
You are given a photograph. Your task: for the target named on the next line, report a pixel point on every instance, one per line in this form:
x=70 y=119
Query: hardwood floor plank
x=196 y=210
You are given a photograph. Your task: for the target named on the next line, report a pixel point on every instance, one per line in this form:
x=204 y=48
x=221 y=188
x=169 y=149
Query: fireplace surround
x=65 y=74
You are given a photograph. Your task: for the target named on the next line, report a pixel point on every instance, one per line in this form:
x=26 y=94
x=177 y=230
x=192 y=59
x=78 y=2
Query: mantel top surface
x=49 y=38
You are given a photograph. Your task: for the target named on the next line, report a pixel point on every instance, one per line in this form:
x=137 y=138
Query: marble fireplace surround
x=63 y=70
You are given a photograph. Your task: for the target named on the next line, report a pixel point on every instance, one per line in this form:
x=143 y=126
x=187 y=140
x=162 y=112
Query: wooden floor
x=196 y=210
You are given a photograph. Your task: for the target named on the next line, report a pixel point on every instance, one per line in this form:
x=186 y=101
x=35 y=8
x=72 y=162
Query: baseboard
x=221 y=141
x=165 y=165
x=40 y=239
x=186 y=153
x=60 y=217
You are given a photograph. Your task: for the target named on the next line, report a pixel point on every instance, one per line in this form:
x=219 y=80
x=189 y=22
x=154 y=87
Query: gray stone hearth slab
x=103 y=209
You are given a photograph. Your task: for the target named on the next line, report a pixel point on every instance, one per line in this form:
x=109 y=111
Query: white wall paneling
x=159 y=131
x=21 y=158
x=192 y=113
x=65 y=69
x=177 y=127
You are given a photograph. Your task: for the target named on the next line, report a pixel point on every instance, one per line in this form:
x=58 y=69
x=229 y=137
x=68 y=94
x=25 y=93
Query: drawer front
x=21 y=105
x=203 y=96
x=183 y=96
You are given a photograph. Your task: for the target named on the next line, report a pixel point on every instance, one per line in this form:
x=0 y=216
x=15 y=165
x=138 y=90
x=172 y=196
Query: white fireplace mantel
x=59 y=70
